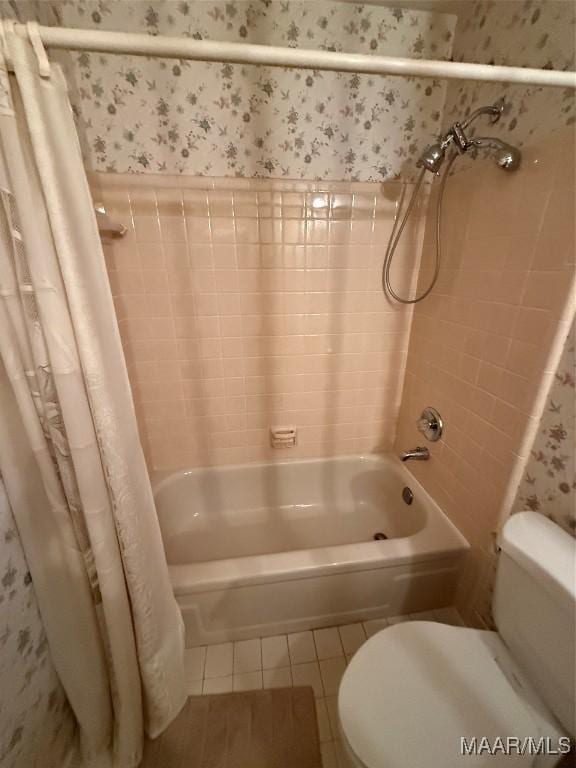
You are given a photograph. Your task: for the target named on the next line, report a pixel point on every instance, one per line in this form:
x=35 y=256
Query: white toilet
x=415 y=689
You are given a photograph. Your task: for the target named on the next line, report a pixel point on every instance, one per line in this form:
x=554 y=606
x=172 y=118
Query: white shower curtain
x=92 y=537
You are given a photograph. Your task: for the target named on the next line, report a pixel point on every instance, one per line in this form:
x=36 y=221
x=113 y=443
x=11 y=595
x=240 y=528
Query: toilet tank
x=534 y=607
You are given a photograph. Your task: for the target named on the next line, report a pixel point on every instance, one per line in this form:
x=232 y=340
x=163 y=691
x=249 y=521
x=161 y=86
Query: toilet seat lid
x=414 y=690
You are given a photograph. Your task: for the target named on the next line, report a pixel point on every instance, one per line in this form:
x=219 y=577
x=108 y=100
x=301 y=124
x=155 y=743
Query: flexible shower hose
x=396 y=234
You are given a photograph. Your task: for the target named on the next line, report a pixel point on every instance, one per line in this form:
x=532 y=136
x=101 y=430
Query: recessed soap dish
x=283 y=437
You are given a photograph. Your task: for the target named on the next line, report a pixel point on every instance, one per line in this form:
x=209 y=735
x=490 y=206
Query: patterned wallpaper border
x=155 y=116
x=148 y=115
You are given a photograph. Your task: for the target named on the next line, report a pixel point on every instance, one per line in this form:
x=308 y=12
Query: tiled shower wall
x=483 y=345
x=245 y=305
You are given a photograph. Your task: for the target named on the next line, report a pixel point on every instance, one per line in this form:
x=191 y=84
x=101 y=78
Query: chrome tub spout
x=416 y=454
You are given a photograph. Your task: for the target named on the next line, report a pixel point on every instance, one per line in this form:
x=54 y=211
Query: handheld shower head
x=447 y=147
x=432 y=158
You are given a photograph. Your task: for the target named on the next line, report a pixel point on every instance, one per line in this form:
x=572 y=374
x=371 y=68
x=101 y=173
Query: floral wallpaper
x=524 y=33
x=35 y=722
x=549 y=482
x=151 y=115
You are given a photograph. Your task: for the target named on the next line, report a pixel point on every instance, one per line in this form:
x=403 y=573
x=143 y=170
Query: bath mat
x=275 y=728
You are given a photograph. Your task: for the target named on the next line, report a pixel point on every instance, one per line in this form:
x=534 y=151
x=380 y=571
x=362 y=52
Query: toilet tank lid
x=542 y=548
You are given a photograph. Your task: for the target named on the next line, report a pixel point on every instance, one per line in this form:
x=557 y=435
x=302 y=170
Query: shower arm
x=456 y=135
x=491 y=142
x=495 y=110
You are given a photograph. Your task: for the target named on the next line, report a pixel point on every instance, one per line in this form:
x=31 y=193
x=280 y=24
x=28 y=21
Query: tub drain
x=379 y=536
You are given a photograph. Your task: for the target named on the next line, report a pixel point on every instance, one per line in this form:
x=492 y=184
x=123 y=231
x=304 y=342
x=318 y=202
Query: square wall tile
x=480 y=341
x=272 y=279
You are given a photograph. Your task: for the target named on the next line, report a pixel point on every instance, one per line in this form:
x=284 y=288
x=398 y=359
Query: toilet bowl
x=428 y=695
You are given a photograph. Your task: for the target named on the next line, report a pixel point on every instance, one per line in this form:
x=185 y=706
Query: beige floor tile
x=352 y=637
x=331 y=671
x=332 y=709
x=247 y=681
x=194 y=660
x=194 y=688
x=217 y=684
x=324 y=730
x=375 y=625
x=247 y=656
x=275 y=652
x=327 y=642
x=399 y=619
x=301 y=647
x=219 y=660
x=280 y=677
x=308 y=674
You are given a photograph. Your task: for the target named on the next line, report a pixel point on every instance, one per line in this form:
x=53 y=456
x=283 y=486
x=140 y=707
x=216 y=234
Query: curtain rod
x=274 y=56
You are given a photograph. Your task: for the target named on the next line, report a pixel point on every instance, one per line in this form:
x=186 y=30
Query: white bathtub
x=262 y=549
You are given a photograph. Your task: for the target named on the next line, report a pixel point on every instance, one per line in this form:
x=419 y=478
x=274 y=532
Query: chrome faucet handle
x=423 y=424
x=430 y=424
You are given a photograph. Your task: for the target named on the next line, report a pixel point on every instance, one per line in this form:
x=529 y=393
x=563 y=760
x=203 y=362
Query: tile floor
x=317 y=658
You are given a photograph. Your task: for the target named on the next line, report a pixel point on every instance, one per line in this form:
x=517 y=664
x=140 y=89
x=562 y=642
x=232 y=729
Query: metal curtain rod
x=275 y=56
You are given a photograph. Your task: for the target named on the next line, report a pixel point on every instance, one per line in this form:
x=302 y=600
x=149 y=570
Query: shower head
x=505 y=155
x=508 y=157
x=432 y=158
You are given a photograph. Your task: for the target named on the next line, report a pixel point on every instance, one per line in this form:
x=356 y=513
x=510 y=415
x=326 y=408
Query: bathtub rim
x=161 y=477
x=438 y=539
